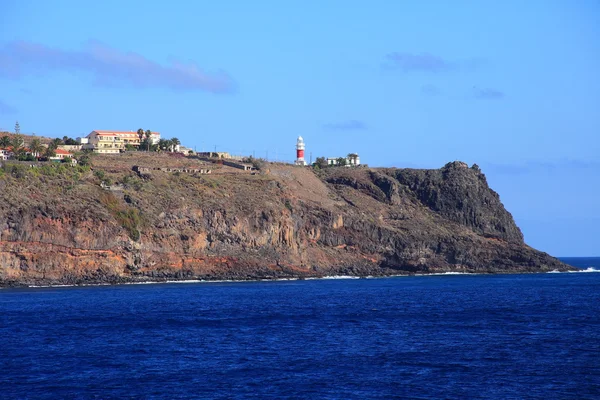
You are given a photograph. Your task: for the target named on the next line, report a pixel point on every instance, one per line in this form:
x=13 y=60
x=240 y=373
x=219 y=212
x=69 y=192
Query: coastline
x=252 y=280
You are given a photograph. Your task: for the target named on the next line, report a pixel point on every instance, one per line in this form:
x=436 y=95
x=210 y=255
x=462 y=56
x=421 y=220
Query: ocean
x=534 y=336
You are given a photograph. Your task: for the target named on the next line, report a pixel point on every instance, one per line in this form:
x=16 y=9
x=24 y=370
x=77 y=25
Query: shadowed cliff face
x=455 y=192
x=462 y=195
x=285 y=222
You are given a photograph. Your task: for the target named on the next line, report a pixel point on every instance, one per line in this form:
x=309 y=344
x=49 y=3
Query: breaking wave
x=588 y=269
x=447 y=273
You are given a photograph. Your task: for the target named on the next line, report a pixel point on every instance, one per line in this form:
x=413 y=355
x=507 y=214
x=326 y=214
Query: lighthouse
x=300 y=151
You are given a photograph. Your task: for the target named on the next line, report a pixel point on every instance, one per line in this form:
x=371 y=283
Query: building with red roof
x=107 y=142
x=61 y=155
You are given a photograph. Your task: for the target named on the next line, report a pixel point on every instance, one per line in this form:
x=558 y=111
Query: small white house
x=61 y=155
x=185 y=150
x=155 y=137
x=5 y=154
x=353 y=160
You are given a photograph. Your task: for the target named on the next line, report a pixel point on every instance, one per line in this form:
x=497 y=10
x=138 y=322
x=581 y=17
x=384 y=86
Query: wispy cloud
x=487 y=93
x=111 y=67
x=352 y=125
x=7 y=108
x=425 y=62
x=430 y=63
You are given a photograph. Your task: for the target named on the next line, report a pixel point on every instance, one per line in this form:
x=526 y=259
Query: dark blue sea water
x=503 y=336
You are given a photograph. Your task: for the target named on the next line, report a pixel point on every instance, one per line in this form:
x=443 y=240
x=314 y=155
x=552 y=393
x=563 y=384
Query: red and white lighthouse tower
x=300 y=151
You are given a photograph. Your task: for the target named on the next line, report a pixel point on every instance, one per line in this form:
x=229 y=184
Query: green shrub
x=84 y=160
x=129 y=218
x=99 y=174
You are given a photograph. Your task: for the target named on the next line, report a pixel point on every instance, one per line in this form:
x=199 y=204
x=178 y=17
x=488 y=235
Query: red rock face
x=284 y=222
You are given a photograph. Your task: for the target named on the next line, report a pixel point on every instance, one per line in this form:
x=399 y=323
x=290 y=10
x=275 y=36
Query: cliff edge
x=108 y=224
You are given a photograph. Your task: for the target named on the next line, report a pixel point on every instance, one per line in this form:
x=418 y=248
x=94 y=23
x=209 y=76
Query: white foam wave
x=59 y=286
x=579 y=271
x=50 y=286
x=455 y=273
x=447 y=273
x=334 y=277
x=588 y=269
x=202 y=281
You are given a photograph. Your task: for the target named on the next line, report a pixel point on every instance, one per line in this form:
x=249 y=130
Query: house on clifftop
x=352 y=160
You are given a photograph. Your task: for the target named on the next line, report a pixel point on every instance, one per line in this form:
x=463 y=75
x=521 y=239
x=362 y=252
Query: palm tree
x=352 y=157
x=50 y=151
x=163 y=144
x=4 y=141
x=57 y=142
x=36 y=147
x=148 y=135
x=170 y=145
x=140 y=133
x=174 y=142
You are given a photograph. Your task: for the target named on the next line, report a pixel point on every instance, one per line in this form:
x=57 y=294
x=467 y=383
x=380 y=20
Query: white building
x=154 y=137
x=60 y=155
x=5 y=154
x=352 y=160
x=185 y=150
x=70 y=147
x=108 y=142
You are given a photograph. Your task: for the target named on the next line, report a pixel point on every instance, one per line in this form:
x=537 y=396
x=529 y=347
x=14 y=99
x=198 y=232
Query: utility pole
x=267 y=155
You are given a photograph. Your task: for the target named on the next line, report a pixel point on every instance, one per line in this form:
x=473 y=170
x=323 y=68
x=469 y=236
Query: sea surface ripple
x=456 y=336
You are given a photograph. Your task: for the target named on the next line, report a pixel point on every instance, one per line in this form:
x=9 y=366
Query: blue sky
x=512 y=86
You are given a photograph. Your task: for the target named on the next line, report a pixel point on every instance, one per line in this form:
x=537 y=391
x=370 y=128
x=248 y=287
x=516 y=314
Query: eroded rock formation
x=284 y=222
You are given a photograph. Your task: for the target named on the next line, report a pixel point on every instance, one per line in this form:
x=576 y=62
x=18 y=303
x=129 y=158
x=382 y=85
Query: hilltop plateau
x=106 y=223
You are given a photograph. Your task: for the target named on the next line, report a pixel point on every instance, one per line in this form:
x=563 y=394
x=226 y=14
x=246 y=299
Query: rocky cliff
x=58 y=225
